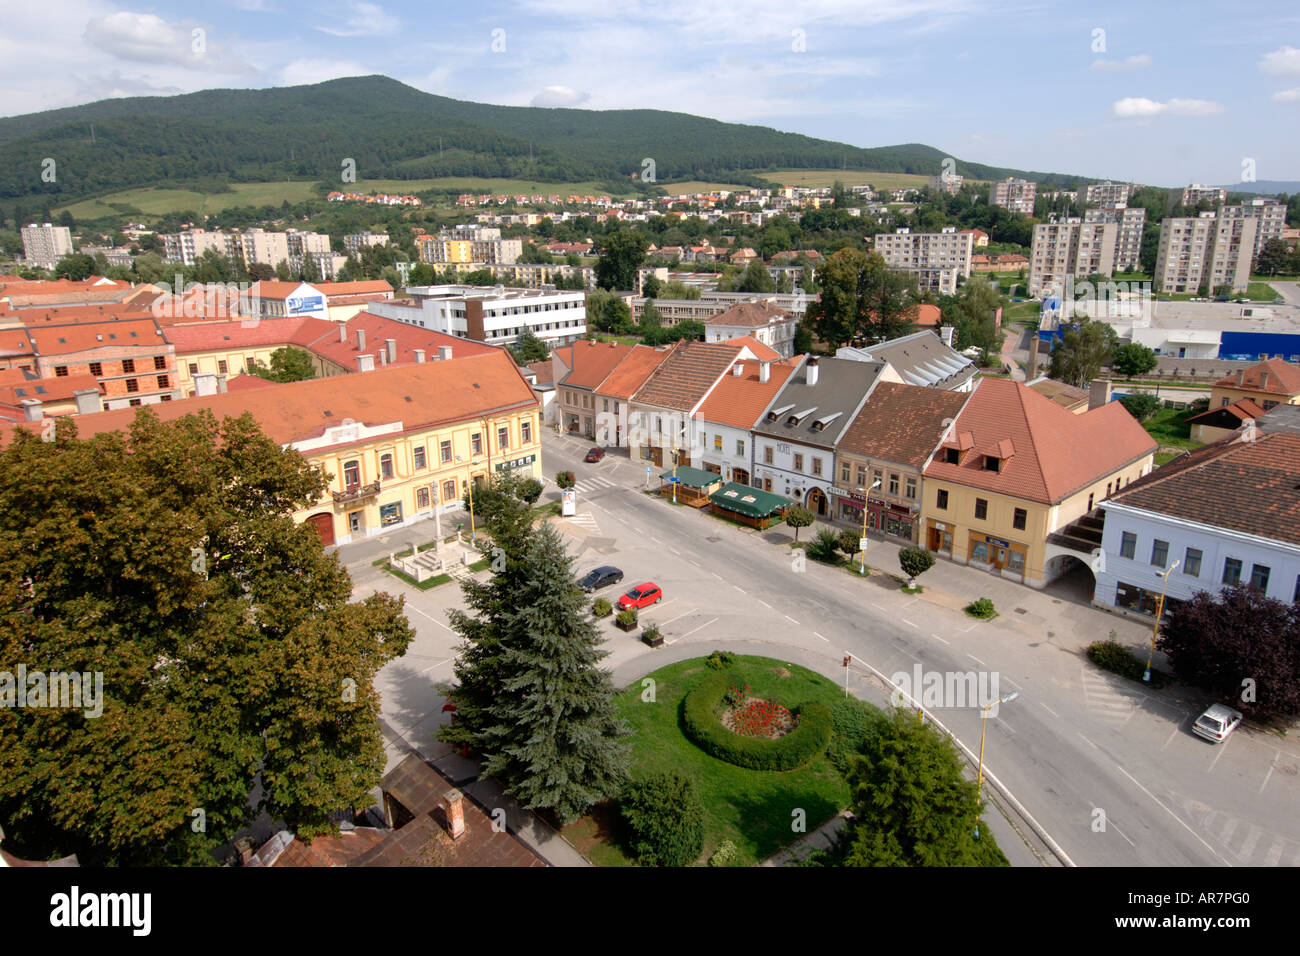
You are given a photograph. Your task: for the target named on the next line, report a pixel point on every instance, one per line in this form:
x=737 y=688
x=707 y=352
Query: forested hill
x=394 y=131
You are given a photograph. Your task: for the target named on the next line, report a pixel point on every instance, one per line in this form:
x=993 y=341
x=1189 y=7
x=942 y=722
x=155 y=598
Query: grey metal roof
x=919 y=359
x=842 y=386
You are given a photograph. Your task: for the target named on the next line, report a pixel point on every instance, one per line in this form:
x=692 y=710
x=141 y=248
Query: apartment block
x=1271 y=215
x=1108 y=192
x=355 y=242
x=497 y=315
x=44 y=245
x=1128 y=242
x=937 y=259
x=462 y=249
x=949 y=183
x=1196 y=192
x=1018 y=195
x=1070 y=248
x=1210 y=250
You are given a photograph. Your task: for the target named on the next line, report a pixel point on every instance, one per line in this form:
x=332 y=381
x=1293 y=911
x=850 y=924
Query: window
x=1192 y=563
x=844 y=473
x=352 y=474
x=817 y=467
x=1090 y=497
x=526 y=432
x=767 y=455
x=449 y=490
x=96 y=369
x=1295 y=597
x=444 y=451
x=950 y=455
x=1128 y=545
x=134 y=403
x=1019 y=518
x=798 y=462
x=128 y=365
x=249 y=361
x=221 y=367
x=717 y=443
x=1259 y=577
x=1108 y=489
x=476 y=444
x=941 y=499
x=991 y=463
x=162 y=381
x=981 y=509
x=421 y=497
x=862 y=476
x=386 y=466
x=893 y=484
x=194 y=368
x=1231 y=571
x=911 y=488
x=420 y=462
x=1159 y=553
x=132 y=385
x=60 y=371
x=740 y=447
x=503 y=438
x=159 y=362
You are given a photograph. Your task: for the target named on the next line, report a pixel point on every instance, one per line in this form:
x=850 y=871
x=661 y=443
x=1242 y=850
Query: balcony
x=355 y=493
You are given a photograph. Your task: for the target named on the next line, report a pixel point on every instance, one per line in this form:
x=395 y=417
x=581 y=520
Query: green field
x=699 y=186
x=849 y=177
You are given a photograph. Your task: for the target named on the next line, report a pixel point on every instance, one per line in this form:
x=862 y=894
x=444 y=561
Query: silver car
x=1216 y=723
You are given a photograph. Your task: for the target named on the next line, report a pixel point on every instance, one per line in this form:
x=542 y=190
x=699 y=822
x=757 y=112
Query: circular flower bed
x=704 y=716
x=759 y=718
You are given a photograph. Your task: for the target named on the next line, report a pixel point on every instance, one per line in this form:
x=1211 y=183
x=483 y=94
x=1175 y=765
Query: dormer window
x=798 y=417
x=775 y=414
x=951 y=455
x=992 y=463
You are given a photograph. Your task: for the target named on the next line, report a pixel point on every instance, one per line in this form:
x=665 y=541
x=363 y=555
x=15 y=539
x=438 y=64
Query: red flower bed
x=759 y=718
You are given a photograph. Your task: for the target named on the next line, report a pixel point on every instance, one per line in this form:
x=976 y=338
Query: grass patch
x=751 y=808
x=1169 y=427
x=916 y=590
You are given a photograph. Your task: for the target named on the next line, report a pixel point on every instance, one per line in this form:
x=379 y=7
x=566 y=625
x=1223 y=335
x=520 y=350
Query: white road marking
x=790 y=619
x=677 y=618
x=1009 y=681
x=1123 y=834
x=1170 y=812
x=764 y=603
x=881 y=606
x=716 y=575
x=1221 y=748
x=1049 y=710
x=1172 y=734
x=907 y=622
x=694 y=629
x=737 y=587
x=1089 y=742
x=1266 y=777
x=673 y=550
x=412 y=607
x=437 y=665
x=815 y=634
x=977 y=660
x=938 y=638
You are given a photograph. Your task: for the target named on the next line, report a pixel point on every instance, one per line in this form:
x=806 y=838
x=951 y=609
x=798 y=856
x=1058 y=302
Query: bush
x=665 y=820
x=601 y=607
x=983 y=608
x=701 y=724
x=724 y=854
x=825 y=547
x=1111 y=655
x=853 y=722
x=565 y=479
x=651 y=632
x=530 y=490
x=915 y=561
x=719 y=660
x=628 y=617
x=848 y=542
x=1141 y=405
x=797 y=516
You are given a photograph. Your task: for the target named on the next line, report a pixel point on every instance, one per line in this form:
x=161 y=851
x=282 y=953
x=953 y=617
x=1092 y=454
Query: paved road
x=1290 y=291
x=1108 y=769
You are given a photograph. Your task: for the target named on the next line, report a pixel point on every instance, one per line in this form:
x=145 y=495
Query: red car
x=643 y=595
x=596 y=454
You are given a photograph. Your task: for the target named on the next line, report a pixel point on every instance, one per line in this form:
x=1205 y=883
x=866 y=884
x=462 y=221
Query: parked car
x=601 y=577
x=1216 y=723
x=596 y=454
x=643 y=595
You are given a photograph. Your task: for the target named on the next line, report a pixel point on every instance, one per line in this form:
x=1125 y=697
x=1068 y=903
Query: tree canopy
x=1083 y=351
x=288 y=364
x=862 y=300
x=621 y=255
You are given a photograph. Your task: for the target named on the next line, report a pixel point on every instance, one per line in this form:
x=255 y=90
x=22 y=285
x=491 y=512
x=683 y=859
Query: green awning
x=748 y=501
x=693 y=477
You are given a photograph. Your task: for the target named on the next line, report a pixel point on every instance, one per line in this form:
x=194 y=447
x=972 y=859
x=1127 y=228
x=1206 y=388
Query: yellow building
x=1268 y=383
x=1015 y=468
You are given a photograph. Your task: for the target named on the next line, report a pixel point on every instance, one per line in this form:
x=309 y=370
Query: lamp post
x=473 y=536
x=1160 y=609
x=865 y=493
x=979 y=777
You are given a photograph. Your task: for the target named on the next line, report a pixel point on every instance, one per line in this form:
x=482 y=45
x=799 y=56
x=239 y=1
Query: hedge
x=705 y=730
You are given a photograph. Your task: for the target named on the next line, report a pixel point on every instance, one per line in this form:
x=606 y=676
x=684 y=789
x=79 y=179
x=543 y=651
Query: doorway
x=354 y=522
x=324 y=525
x=817 y=502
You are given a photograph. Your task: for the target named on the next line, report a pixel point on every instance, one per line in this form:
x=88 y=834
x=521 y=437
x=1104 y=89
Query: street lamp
x=865 y=492
x=1160 y=609
x=470 y=486
x=979 y=778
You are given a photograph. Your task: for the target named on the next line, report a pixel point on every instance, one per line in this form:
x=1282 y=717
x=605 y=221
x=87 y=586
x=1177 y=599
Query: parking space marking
x=430 y=617
x=1049 y=710
x=881 y=606
x=1172 y=734
x=437 y=665
x=938 y=638
x=677 y=618
x=1221 y=748
x=764 y=603
x=1089 y=742
x=815 y=634
x=790 y=619
x=907 y=622
x=977 y=660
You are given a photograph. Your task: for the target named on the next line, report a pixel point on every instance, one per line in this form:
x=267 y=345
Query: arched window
x=386 y=466
x=352 y=474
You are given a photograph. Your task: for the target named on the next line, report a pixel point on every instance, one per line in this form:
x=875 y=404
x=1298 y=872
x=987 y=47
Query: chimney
x=810 y=371
x=453 y=804
x=205 y=383
x=87 y=400
x=1098 y=393
x=738 y=369
x=361 y=340
x=419 y=356
x=764 y=371
x=444 y=353
x=365 y=363
x=221 y=385
x=1241 y=376
x=1263 y=379
x=392 y=350
x=32 y=410
x=343 y=331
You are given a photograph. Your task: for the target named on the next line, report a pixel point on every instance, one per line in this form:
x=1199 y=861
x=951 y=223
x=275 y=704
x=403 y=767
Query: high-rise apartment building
x=44 y=245
x=937 y=259
x=1128 y=242
x=1196 y=192
x=949 y=183
x=1204 y=253
x=1018 y=195
x=1071 y=247
x=1108 y=192
x=355 y=242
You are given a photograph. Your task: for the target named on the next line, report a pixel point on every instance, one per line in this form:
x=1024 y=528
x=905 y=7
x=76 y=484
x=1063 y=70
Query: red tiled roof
x=378 y=329
x=16 y=386
x=901 y=423
x=749 y=315
x=687 y=374
x=1243 y=409
x=544 y=370
x=631 y=373
x=739 y=400
x=361 y=287
x=245 y=333
x=761 y=352
x=51 y=340
x=591 y=362
x=1283 y=378
x=1246 y=486
x=1055 y=452
x=68 y=314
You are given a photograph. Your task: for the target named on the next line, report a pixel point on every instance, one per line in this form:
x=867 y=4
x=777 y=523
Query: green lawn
x=1169 y=427
x=752 y=808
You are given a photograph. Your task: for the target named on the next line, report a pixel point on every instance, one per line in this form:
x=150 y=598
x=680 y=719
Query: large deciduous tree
x=862 y=300
x=166 y=558
x=1084 y=350
x=621 y=254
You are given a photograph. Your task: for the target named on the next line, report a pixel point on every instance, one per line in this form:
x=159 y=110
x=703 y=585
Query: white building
x=762 y=321
x=1108 y=192
x=44 y=245
x=1018 y=195
x=495 y=315
x=937 y=259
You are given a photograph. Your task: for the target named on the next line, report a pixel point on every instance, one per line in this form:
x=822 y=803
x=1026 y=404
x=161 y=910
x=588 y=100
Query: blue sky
x=1165 y=93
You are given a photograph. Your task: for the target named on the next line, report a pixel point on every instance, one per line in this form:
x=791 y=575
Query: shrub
x=701 y=724
x=530 y=490
x=1141 y=405
x=983 y=608
x=853 y=722
x=915 y=561
x=720 y=660
x=724 y=854
x=565 y=479
x=848 y=542
x=601 y=607
x=825 y=547
x=651 y=632
x=797 y=516
x=627 y=617
x=1111 y=655
x=665 y=820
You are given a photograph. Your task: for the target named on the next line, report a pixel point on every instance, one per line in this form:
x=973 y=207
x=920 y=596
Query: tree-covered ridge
x=394 y=131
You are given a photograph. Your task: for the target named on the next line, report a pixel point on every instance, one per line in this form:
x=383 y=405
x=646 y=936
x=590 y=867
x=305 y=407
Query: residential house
x=1215 y=423
x=773 y=326
x=1267 y=383
x=662 y=425
x=921 y=358
x=731 y=411
x=578 y=370
x=617 y=390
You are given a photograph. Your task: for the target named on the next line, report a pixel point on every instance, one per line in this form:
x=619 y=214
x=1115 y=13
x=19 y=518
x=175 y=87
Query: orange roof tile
x=51 y=340
x=739 y=400
x=590 y=362
x=687 y=375
x=760 y=351
x=1283 y=378
x=901 y=423
x=632 y=372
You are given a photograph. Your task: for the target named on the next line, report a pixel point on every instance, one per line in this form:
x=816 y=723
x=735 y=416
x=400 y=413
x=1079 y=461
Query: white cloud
x=145 y=38
x=305 y=72
x=1281 y=62
x=1287 y=96
x=364 y=20
x=554 y=96
x=1136 y=62
x=1139 y=107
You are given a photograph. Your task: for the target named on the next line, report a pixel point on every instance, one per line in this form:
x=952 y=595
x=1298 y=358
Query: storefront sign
x=517 y=463
x=997 y=542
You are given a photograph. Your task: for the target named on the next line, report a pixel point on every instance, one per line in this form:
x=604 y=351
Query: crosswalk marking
x=1240 y=837
x=1103 y=699
x=585 y=520
x=594 y=483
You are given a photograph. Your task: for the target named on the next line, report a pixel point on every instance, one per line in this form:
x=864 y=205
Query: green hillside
x=392 y=131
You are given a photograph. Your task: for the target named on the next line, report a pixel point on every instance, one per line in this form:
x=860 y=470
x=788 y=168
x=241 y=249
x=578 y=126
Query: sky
x=1159 y=93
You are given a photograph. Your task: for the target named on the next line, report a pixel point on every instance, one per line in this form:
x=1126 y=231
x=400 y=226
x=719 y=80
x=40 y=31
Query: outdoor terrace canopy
x=748 y=502
x=692 y=477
